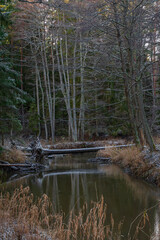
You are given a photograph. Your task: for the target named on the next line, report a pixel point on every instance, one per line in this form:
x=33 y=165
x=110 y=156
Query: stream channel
x=72 y=180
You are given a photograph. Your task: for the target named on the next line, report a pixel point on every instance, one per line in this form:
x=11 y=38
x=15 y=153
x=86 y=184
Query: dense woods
x=79 y=119
x=80 y=69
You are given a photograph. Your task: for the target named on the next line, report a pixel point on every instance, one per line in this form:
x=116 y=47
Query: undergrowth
x=135 y=160
x=35 y=216
x=13 y=156
x=131 y=157
x=23 y=218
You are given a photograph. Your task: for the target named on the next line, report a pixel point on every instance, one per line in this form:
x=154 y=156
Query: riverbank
x=141 y=164
x=63 y=186
x=16 y=161
x=24 y=218
x=32 y=156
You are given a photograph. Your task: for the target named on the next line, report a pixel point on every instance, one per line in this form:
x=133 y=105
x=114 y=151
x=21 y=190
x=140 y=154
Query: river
x=72 y=180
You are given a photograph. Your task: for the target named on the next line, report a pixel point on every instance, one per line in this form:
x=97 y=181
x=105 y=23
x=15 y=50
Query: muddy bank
x=140 y=164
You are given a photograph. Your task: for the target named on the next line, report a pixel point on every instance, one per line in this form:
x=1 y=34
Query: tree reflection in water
x=73 y=181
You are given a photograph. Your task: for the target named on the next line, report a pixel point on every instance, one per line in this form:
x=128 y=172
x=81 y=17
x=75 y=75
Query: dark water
x=72 y=181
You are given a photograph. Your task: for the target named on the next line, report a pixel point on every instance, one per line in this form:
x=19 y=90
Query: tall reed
x=24 y=218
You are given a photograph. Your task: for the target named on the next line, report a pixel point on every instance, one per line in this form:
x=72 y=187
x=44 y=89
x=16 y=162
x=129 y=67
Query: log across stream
x=75 y=150
x=39 y=152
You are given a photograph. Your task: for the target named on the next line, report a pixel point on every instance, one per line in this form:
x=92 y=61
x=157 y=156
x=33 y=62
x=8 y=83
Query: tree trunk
x=74 y=90
x=37 y=96
x=146 y=128
x=53 y=89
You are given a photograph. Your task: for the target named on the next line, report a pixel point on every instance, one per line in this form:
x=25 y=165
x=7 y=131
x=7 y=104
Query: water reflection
x=142 y=190
x=156 y=232
x=73 y=181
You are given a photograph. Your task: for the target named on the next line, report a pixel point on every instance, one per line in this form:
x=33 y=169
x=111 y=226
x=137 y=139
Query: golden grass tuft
x=23 y=218
x=130 y=157
x=26 y=219
x=13 y=156
x=127 y=155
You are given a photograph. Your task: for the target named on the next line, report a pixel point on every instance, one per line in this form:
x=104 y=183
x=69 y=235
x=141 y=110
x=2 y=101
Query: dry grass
x=130 y=157
x=13 y=156
x=125 y=155
x=23 y=218
x=20 y=217
x=157 y=140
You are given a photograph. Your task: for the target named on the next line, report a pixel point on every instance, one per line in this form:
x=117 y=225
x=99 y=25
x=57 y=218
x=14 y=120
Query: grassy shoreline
x=23 y=218
x=141 y=164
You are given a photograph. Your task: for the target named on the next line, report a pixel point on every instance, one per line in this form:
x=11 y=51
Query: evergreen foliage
x=10 y=94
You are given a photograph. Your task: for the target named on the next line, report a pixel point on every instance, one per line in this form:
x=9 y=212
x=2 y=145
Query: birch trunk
x=64 y=92
x=47 y=82
x=83 y=55
x=37 y=96
x=37 y=91
x=74 y=90
x=50 y=103
x=42 y=92
x=63 y=68
x=53 y=88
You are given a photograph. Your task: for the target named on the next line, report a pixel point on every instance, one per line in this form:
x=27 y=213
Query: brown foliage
x=130 y=157
x=127 y=156
x=27 y=219
x=13 y=156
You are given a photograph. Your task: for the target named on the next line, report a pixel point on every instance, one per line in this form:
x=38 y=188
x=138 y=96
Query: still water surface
x=72 y=180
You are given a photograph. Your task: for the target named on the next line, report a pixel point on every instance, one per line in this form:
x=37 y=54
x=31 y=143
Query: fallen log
x=22 y=167
x=15 y=165
x=80 y=150
x=75 y=150
x=68 y=151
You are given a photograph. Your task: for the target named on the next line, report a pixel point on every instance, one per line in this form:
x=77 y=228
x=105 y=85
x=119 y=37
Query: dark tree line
x=89 y=68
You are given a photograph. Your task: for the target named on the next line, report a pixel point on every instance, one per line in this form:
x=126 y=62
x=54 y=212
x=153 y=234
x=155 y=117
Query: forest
x=80 y=69
x=80 y=119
